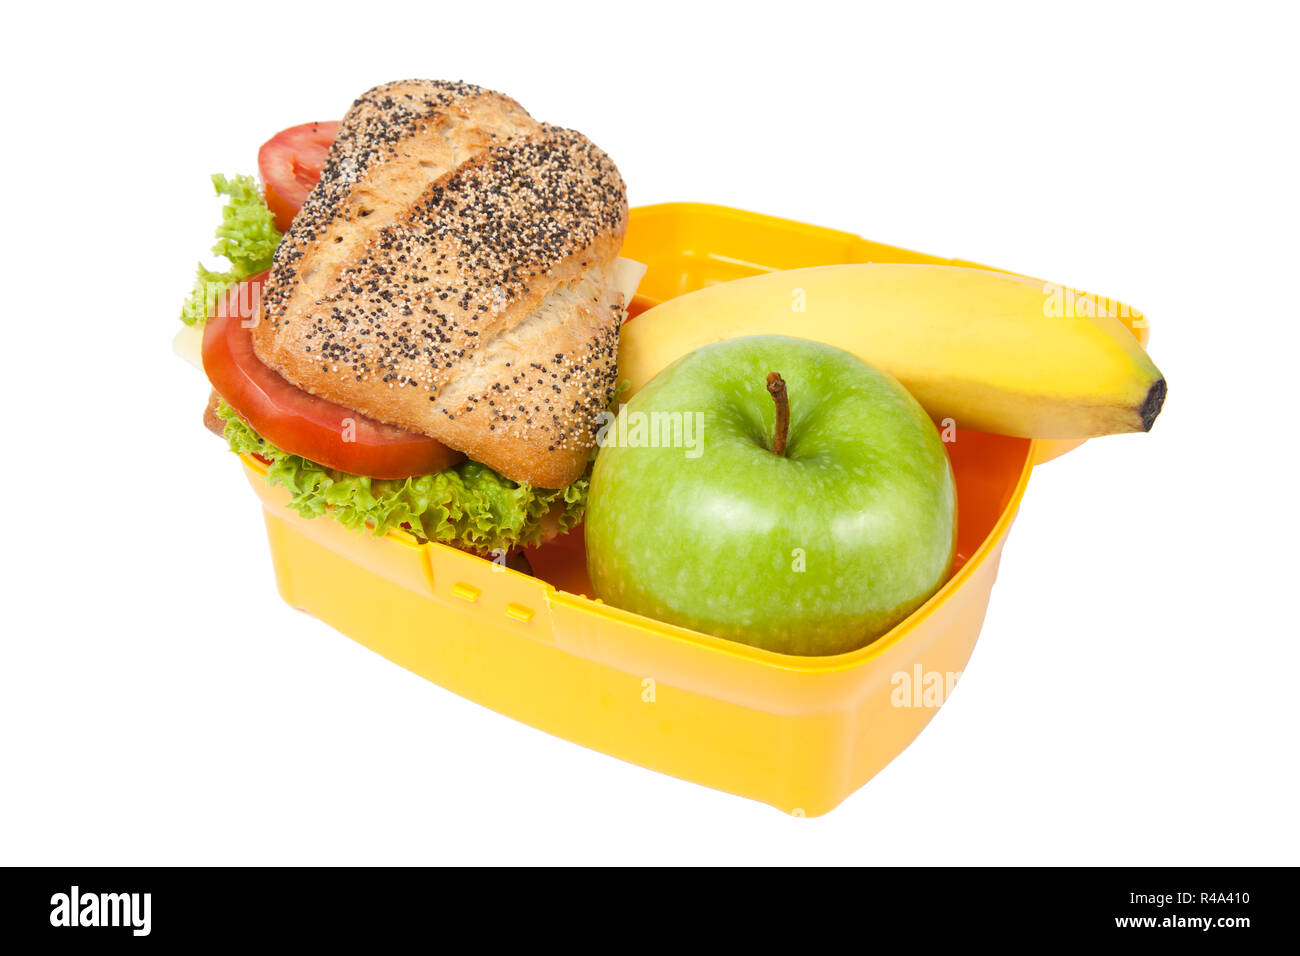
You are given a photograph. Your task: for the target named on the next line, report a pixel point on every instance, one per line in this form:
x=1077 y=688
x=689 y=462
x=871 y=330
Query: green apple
x=698 y=517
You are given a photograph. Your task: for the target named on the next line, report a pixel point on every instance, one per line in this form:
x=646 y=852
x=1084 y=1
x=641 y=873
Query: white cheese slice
x=188 y=344
x=627 y=276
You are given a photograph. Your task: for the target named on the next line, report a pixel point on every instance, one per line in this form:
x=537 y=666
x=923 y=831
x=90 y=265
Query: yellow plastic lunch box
x=799 y=733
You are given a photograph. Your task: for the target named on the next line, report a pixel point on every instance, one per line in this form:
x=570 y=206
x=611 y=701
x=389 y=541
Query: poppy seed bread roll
x=452 y=274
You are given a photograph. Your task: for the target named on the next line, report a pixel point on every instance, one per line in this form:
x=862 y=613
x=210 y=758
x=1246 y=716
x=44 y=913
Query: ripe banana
x=993 y=352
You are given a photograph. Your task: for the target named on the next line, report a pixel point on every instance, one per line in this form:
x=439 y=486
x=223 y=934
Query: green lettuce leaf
x=469 y=506
x=246 y=238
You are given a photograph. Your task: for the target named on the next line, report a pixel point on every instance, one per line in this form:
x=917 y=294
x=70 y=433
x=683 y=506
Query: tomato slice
x=297 y=421
x=290 y=163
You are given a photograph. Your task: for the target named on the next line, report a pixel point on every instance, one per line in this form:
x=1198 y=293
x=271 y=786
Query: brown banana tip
x=1155 y=401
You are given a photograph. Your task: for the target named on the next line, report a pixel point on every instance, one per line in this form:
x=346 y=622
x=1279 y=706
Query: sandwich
x=432 y=343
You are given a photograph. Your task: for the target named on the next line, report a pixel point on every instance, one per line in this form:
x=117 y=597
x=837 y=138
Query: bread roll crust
x=451 y=274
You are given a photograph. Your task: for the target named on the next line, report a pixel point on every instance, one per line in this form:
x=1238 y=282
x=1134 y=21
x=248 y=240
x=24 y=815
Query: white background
x=1132 y=697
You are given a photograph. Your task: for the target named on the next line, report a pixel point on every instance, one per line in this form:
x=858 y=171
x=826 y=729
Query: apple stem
x=776 y=388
